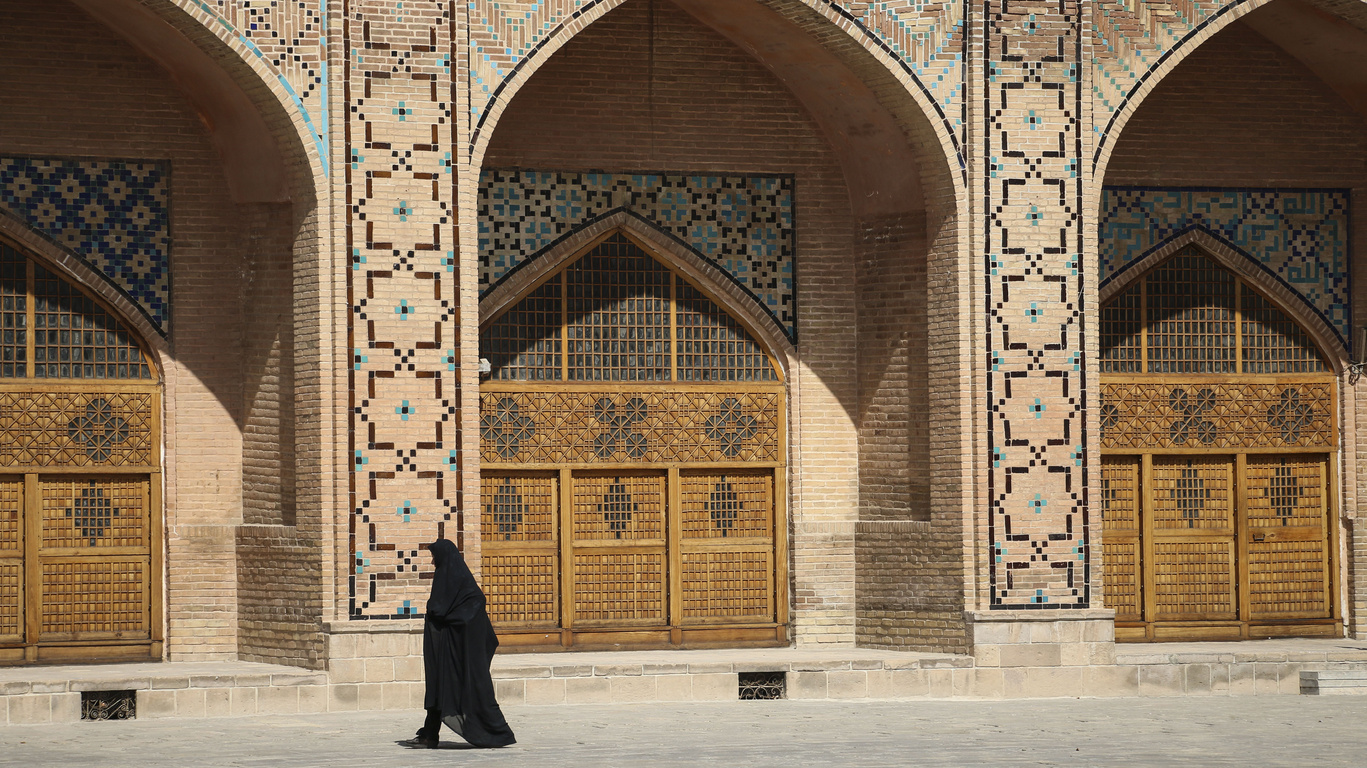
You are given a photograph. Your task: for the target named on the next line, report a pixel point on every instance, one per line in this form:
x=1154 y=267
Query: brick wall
x=908 y=586
x=1239 y=111
x=710 y=107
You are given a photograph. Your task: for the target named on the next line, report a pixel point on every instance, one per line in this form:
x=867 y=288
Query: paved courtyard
x=1198 y=731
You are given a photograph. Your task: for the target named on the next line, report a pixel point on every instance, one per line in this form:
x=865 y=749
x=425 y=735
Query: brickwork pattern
x=290 y=38
x=113 y=214
x=926 y=40
x=405 y=484
x=1036 y=381
x=1130 y=40
x=1299 y=236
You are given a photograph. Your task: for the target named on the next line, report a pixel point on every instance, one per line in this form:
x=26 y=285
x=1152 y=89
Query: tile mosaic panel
x=1300 y=236
x=926 y=39
x=1036 y=383
x=402 y=286
x=290 y=37
x=741 y=223
x=113 y=214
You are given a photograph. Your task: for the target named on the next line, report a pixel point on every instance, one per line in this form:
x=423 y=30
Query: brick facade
x=946 y=207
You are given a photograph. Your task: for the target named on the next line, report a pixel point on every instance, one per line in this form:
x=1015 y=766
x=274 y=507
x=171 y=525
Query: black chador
x=458 y=645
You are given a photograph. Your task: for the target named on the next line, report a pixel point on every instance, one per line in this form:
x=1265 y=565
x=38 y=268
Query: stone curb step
x=1334 y=682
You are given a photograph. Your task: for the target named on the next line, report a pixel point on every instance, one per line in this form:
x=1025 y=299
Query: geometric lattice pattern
x=1298 y=236
x=1030 y=170
x=727 y=585
x=612 y=427
x=618 y=589
x=93 y=599
x=402 y=286
x=1152 y=415
x=113 y=214
x=742 y=224
x=289 y=37
x=85 y=429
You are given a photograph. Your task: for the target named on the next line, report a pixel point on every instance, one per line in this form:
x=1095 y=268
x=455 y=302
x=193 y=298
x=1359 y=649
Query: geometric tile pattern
x=113 y=214
x=44 y=429
x=1192 y=415
x=1131 y=39
x=742 y=224
x=290 y=37
x=1299 y=236
x=402 y=288
x=610 y=427
x=1036 y=381
x=926 y=39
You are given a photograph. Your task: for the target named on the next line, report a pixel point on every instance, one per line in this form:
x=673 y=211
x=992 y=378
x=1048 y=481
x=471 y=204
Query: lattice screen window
x=1189 y=315
x=618 y=315
x=525 y=343
x=13 y=314
x=49 y=329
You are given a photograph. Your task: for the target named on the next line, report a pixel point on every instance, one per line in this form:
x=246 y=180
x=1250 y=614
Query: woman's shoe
x=421 y=741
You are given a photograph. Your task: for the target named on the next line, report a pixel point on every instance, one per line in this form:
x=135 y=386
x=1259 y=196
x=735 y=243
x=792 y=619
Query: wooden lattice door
x=1218 y=437
x=632 y=446
x=79 y=475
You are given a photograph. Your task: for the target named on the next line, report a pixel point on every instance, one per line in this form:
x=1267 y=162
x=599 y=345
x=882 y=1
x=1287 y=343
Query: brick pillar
x=1027 y=173
x=400 y=237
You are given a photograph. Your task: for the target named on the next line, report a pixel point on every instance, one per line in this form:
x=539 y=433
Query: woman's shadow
x=441 y=745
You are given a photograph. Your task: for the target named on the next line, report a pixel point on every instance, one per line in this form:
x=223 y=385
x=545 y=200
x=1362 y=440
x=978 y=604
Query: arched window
x=632 y=438
x=1218 y=434
x=79 y=474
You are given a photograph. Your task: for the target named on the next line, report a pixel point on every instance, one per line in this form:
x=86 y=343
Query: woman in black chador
x=458 y=644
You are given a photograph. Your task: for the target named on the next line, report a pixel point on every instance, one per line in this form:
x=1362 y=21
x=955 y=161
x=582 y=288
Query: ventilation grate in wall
x=108 y=705
x=761 y=685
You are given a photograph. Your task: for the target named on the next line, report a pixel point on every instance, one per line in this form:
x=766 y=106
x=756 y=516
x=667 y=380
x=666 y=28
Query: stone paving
x=1199 y=731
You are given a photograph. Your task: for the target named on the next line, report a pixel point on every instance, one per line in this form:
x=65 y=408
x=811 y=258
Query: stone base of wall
x=391 y=679
x=1042 y=639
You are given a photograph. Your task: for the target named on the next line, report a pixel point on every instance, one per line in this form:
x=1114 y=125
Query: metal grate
x=756 y=686
x=108 y=705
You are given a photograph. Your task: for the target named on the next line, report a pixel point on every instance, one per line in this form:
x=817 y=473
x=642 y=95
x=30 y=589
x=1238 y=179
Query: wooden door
x=79 y=475
x=1218 y=431
x=632 y=438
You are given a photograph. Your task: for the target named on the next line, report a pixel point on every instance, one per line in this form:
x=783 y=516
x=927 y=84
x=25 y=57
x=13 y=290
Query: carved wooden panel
x=652 y=426
x=619 y=588
x=1120 y=518
x=77 y=429
x=89 y=598
x=1153 y=415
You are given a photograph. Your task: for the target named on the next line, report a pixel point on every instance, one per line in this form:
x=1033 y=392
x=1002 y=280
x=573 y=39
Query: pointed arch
x=870 y=67
x=717 y=284
x=1199 y=33
x=1331 y=344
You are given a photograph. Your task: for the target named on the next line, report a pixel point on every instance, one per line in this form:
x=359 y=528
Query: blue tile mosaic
x=1300 y=236
x=114 y=214
x=741 y=223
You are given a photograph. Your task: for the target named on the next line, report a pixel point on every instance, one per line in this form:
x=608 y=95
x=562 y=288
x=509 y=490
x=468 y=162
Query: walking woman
x=458 y=644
